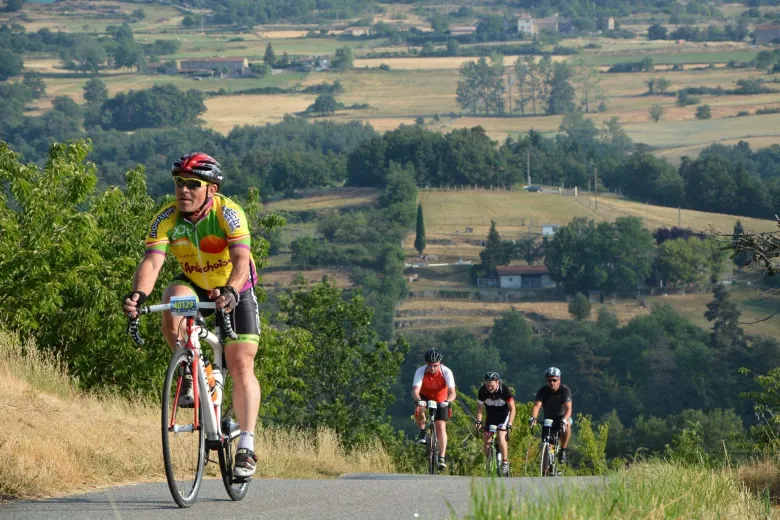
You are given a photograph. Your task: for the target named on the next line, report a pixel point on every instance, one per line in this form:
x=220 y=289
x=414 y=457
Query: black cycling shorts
x=497 y=420
x=245 y=318
x=442 y=414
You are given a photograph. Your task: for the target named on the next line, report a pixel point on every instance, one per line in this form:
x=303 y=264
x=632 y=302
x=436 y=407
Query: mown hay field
x=225 y=112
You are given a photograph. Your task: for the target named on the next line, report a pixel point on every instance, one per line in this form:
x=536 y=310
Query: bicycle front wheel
x=490 y=461
x=235 y=490
x=433 y=452
x=184 y=446
x=544 y=465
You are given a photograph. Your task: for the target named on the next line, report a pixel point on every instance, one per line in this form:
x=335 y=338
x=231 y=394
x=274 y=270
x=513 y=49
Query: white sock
x=246 y=441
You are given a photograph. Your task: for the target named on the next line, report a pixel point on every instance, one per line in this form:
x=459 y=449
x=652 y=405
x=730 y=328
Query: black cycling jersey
x=553 y=402
x=496 y=403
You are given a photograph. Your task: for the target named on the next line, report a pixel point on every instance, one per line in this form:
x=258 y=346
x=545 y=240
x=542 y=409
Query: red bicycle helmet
x=201 y=165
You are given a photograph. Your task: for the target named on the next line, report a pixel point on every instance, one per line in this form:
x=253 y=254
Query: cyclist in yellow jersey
x=209 y=236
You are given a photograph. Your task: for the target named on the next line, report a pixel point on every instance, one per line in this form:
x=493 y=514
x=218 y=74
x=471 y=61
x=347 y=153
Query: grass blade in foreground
x=647 y=490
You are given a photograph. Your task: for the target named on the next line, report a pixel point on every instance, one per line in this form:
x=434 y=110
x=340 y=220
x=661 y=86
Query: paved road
x=355 y=496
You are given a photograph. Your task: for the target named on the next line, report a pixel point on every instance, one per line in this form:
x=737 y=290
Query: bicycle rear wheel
x=544 y=465
x=235 y=490
x=184 y=446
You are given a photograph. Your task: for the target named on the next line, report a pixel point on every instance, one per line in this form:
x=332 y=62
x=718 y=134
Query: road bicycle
x=493 y=458
x=548 y=464
x=432 y=441
x=191 y=431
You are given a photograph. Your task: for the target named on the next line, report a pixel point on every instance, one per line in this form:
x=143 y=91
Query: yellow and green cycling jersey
x=203 y=248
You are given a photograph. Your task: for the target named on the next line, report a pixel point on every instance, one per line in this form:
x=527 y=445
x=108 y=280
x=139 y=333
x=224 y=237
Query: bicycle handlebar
x=132 y=326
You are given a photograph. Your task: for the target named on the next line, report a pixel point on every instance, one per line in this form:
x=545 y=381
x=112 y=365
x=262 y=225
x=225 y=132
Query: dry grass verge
x=60 y=440
x=763 y=478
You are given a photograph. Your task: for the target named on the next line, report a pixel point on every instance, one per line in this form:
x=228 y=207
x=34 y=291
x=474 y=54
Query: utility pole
x=528 y=166
x=596 y=185
x=679 y=216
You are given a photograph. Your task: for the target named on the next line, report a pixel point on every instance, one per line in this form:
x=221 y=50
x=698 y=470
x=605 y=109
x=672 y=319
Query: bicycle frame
x=193 y=333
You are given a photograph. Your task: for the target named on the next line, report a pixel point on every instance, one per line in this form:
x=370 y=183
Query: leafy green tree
x=481 y=85
x=128 y=54
x=348 y=374
x=703 y=112
x=12 y=6
x=614 y=256
x=656 y=112
x=11 y=64
x=34 y=84
x=439 y=23
x=649 y=178
x=684 y=98
x=662 y=85
x=419 y=239
x=453 y=47
x=138 y=14
x=525 y=248
x=324 y=105
x=157 y=107
x=270 y=57
x=90 y=55
x=689 y=261
x=344 y=58
x=656 y=32
x=561 y=98
x=579 y=307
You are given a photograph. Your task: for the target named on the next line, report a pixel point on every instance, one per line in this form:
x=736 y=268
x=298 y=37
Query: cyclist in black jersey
x=499 y=402
x=555 y=398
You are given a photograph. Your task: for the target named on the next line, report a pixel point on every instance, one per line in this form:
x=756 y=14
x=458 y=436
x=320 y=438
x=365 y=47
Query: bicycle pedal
x=242 y=480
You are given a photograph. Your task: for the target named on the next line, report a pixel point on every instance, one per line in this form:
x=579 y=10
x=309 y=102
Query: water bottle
x=210 y=380
x=216 y=394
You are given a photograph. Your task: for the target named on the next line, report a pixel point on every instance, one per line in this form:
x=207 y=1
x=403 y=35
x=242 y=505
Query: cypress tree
x=419 y=240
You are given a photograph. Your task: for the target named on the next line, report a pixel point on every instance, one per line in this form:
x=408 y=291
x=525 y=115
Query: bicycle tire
x=544 y=466
x=184 y=492
x=235 y=490
x=491 y=462
x=433 y=452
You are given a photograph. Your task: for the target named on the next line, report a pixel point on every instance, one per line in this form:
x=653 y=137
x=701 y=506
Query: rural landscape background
x=414 y=151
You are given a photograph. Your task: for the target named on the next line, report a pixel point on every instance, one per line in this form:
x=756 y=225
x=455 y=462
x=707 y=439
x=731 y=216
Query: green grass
x=675 y=58
x=755 y=305
x=73 y=84
x=687 y=133
x=652 y=490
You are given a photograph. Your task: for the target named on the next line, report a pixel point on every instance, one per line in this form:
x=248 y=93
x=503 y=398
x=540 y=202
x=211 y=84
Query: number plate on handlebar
x=548 y=422
x=433 y=404
x=493 y=428
x=184 y=305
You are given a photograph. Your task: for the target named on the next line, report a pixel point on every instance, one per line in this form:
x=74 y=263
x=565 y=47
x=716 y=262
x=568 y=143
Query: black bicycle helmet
x=433 y=356
x=492 y=376
x=553 y=371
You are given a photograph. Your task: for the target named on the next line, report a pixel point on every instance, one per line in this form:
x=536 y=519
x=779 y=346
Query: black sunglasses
x=190 y=184
x=552 y=380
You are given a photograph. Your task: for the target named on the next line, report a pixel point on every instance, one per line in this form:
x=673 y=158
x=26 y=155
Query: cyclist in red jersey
x=434 y=382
